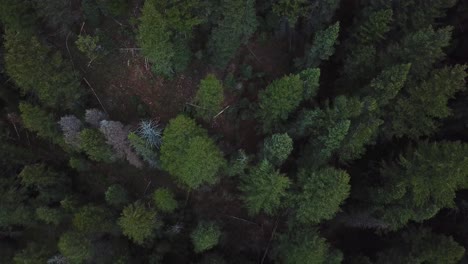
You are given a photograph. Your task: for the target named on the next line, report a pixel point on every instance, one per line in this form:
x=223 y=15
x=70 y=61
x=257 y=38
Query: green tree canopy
x=94 y=144
x=423 y=181
x=205 y=236
x=209 y=98
x=422 y=246
x=279 y=100
x=164 y=200
x=92 y=219
x=36 y=70
x=38 y=120
x=138 y=223
x=322 y=48
x=116 y=195
x=75 y=247
x=305 y=247
x=263 y=189
x=189 y=155
x=277 y=148
x=237 y=26
x=322 y=193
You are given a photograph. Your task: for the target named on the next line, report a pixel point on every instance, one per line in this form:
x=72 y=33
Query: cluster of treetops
x=369 y=155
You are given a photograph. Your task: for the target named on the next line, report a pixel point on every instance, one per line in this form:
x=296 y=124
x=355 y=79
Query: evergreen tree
x=91 y=219
x=205 y=236
x=94 y=144
x=50 y=215
x=164 y=200
x=279 y=100
x=417 y=113
x=422 y=246
x=116 y=195
x=237 y=26
x=322 y=193
x=75 y=247
x=189 y=155
x=138 y=223
x=57 y=14
x=18 y=15
x=322 y=48
x=35 y=70
x=209 y=97
x=38 y=120
x=311 y=78
x=305 y=247
x=422 y=182
x=263 y=189
x=141 y=147
x=33 y=253
x=277 y=148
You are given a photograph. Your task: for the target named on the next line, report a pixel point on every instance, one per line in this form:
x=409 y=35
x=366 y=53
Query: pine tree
x=209 y=97
x=116 y=196
x=18 y=15
x=164 y=200
x=279 y=100
x=322 y=48
x=237 y=26
x=422 y=246
x=92 y=219
x=50 y=215
x=305 y=246
x=423 y=181
x=138 y=222
x=322 y=193
x=36 y=70
x=263 y=189
x=205 y=236
x=38 y=120
x=76 y=247
x=311 y=78
x=189 y=155
x=33 y=253
x=94 y=144
x=277 y=148
x=418 y=112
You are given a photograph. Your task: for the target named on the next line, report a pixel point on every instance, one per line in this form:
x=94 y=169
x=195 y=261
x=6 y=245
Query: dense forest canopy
x=234 y=131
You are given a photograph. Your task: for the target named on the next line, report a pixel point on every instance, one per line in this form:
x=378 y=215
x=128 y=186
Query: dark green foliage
x=79 y=164
x=311 y=78
x=263 y=189
x=33 y=253
x=164 y=200
x=91 y=219
x=422 y=182
x=91 y=12
x=94 y=144
x=322 y=193
x=422 y=246
x=291 y=9
x=113 y=7
x=322 y=48
x=305 y=247
x=373 y=27
x=279 y=100
x=49 y=185
x=238 y=164
x=14 y=210
x=116 y=195
x=237 y=26
x=57 y=14
x=277 y=148
x=50 y=215
x=143 y=149
x=138 y=223
x=75 y=247
x=38 y=120
x=164 y=32
x=422 y=49
x=18 y=15
x=189 y=155
x=419 y=111
x=209 y=97
x=205 y=236
x=36 y=70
